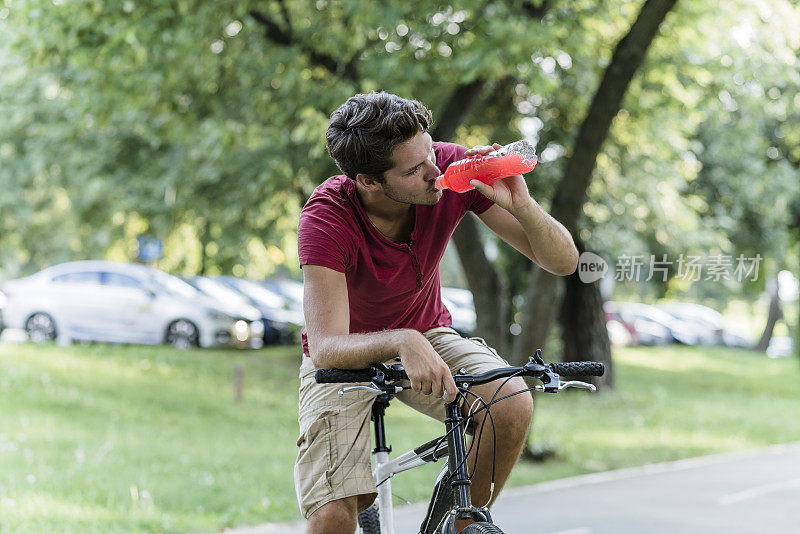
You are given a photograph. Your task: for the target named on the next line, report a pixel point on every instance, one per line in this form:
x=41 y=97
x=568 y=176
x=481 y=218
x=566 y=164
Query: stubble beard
x=431 y=197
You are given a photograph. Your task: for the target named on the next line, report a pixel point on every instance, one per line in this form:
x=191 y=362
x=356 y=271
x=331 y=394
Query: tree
x=584 y=303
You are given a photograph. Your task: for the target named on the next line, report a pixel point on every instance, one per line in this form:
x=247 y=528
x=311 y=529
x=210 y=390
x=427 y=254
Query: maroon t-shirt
x=389 y=285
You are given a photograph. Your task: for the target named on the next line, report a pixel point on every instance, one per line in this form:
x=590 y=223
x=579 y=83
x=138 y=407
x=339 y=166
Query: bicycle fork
x=459 y=476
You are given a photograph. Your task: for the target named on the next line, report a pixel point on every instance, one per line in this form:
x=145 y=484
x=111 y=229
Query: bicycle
x=445 y=507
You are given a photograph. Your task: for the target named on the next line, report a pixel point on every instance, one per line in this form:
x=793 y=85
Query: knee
x=334 y=517
x=514 y=413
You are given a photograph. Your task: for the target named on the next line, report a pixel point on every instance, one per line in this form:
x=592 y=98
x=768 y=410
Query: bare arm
x=522 y=223
x=534 y=233
x=330 y=343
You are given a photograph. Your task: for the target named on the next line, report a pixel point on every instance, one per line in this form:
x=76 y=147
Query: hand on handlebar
x=425 y=368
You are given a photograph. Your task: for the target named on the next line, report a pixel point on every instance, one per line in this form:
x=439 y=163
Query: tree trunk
x=488 y=287
x=571 y=192
x=205 y=239
x=540 y=311
x=774 y=315
x=583 y=327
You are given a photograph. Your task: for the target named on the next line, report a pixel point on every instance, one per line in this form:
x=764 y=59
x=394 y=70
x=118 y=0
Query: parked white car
x=2 y=306
x=460 y=304
x=123 y=303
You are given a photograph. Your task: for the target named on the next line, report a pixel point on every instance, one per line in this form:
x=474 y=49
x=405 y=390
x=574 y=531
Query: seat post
x=378 y=411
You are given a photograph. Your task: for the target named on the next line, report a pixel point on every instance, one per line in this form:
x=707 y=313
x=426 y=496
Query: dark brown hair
x=363 y=132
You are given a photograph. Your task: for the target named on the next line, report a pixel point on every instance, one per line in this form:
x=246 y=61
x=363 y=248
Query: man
x=370 y=244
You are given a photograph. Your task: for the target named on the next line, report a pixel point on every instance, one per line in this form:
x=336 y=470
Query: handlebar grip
x=340 y=376
x=578 y=368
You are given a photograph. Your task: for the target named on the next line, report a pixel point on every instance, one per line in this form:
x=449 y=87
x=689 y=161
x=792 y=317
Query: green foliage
x=203 y=123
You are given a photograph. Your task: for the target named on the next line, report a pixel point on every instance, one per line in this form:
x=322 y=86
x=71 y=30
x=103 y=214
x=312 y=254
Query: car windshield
x=293 y=290
x=219 y=291
x=174 y=285
x=261 y=294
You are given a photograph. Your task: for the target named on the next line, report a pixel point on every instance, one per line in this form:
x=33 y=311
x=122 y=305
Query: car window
x=80 y=277
x=120 y=280
x=220 y=291
x=261 y=294
x=174 y=285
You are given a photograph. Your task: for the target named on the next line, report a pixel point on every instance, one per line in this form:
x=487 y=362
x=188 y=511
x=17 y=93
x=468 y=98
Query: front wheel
x=369 y=522
x=41 y=328
x=182 y=334
x=482 y=528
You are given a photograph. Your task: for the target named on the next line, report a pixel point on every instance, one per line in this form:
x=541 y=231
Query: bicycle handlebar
x=578 y=368
x=380 y=373
x=342 y=376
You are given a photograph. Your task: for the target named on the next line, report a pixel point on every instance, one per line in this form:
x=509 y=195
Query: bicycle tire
x=441 y=502
x=369 y=522
x=482 y=528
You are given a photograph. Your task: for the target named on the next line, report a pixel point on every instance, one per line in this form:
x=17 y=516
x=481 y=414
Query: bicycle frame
x=453 y=447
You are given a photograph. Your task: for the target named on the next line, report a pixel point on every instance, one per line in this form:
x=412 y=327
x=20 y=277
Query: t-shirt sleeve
x=323 y=238
x=473 y=200
x=476 y=202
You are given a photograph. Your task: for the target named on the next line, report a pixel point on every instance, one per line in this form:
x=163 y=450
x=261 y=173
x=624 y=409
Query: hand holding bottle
x=488 y=164
x=505 y=188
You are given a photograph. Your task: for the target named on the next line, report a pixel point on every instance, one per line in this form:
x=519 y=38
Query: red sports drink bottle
x=517 y=158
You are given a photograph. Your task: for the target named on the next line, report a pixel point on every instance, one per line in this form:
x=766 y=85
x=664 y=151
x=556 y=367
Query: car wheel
x=182 y=334
x=41 y=328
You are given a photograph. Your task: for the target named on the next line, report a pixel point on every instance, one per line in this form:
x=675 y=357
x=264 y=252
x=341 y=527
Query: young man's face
x=411 y=179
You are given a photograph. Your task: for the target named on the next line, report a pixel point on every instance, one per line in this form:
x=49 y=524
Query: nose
x=431 y=171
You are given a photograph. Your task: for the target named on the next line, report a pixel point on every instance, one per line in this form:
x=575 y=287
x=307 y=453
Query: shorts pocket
x=315 y=459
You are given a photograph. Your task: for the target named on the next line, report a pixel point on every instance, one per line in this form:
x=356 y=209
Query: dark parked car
x=285 y=320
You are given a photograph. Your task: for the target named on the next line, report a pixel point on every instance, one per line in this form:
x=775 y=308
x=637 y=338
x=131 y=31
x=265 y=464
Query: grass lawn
x=108 y=439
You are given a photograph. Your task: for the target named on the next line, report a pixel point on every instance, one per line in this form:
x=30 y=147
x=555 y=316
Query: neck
x=379 y=206
x=395 y=220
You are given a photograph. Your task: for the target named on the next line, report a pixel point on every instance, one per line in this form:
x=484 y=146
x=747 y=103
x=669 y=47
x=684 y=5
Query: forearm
x=549 y=240
x=356 y=351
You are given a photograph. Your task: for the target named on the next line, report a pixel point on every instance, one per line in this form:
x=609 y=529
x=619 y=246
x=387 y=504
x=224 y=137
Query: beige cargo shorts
x=333 y=457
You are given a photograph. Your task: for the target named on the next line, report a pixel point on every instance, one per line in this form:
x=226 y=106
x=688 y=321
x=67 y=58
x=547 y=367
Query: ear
x=367 y=182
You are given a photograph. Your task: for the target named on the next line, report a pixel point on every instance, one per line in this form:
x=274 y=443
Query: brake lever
x=375 y=390
x=576 y=384
x=552 y=388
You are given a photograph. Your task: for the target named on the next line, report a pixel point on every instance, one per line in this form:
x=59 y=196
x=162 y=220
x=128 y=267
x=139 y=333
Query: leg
x=336 y=517
x=332 y=473
x=512 y=417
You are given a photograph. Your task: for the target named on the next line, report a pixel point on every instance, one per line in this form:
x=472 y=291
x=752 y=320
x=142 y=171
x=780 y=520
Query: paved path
x=748 y=492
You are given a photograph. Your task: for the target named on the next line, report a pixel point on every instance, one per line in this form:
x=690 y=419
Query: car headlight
x=241 y=330
x=217 y=315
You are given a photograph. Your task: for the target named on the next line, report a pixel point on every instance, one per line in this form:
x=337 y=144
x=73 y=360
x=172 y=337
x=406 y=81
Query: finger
x=483 y=188
x=416 y=385
x=480 y=149
x=437 y=389
x=427 y=388
x=450 y=387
